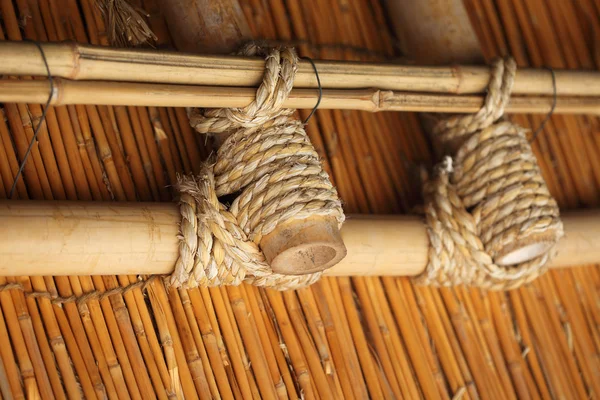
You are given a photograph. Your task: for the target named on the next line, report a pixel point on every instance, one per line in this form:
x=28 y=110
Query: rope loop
x=269 y=163
x=489 y=200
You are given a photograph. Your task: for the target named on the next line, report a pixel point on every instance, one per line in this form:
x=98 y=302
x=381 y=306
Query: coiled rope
x=488 y=198
x=269 y=160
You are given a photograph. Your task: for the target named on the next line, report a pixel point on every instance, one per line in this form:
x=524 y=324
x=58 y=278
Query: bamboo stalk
x=378 y=331
x=142 y=239
x=148 y=332
x=367 y=361
x=86 y=62
x=252 y=297
x=177 y=142
x=252 y=343
x=15 y=373
x=179 y=370
x=8 y=162
x=201 y=349
x=88 y=367
x=317 y=331
x=232 y=342
x=68 y=92
x=114 y=149
x=29 y=364
x=75 y=355
x=192 y=357
x=152 y=146
x=401 y=306
x=31 y=321
x=293 y=347
x=133 y=352
x=100 y=342
x=344 y=357
x=449 y=353
x=209 y=338
x=410 y=386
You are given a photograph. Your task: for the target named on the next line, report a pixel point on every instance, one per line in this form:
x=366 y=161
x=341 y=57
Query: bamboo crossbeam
x=85 y=62
x=94 y=238
x=68 y=92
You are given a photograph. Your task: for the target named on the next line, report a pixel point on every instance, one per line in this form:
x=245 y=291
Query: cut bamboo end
x=304 y=246
x=525 y=253
x=527 y=248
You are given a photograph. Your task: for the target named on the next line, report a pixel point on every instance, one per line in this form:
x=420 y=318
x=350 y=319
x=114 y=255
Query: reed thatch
x=342 y=337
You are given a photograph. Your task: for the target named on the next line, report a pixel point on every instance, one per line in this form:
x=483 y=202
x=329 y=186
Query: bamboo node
x=269 y=160
x=491 y=220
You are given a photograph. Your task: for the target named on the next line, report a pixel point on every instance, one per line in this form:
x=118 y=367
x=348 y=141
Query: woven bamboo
x=342 y=337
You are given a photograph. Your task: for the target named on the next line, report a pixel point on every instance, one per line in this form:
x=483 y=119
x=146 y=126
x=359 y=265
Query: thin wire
x=320 y=91
x=40 y=123
x=554 y=99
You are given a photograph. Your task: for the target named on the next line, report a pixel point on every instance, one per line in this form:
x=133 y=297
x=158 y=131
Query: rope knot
x=280 y=69
x=268 y=161
x=491 y=220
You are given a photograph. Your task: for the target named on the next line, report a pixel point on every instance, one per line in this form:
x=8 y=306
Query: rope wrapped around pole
x=491 y=220
x=269 y=162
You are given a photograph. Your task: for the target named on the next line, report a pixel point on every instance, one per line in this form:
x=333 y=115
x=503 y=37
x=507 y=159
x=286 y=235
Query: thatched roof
x=342 y=337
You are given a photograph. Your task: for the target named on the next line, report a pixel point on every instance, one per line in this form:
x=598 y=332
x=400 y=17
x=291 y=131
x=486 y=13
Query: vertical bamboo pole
x=193 y=25
x=429 y=21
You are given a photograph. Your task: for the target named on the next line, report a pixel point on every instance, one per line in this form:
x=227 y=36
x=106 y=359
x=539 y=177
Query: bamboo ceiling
x=342 y=337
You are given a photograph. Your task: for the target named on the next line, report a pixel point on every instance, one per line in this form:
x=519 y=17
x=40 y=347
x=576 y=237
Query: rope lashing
x=486 y=199
x=269 y=160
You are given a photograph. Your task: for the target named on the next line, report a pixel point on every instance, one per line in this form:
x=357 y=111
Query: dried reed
x=342 y=337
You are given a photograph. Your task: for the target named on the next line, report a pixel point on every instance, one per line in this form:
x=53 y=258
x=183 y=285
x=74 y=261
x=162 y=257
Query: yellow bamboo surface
x=342 y=337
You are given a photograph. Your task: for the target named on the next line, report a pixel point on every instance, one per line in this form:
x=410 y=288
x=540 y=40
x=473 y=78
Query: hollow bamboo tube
x=374 y=100
x=86 y=62
x=94 y=238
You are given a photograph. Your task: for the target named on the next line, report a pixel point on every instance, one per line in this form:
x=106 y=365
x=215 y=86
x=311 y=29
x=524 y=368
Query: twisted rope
x=83 y=299
x=268 y=159
x=488 y=199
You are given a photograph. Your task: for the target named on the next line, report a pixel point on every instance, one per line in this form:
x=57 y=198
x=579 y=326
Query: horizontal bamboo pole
x=161 y=95
x=85 y=62
x=95 y=238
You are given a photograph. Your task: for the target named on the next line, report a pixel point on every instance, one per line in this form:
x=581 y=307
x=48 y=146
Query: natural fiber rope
x=488 y=198
x=81 y=300
x=268 y=159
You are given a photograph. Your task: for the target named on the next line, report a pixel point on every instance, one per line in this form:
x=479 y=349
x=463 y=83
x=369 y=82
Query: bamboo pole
x=428 y=20
x=86 y=62
x=68 y=92
x=88 y=238
x=205 y=25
